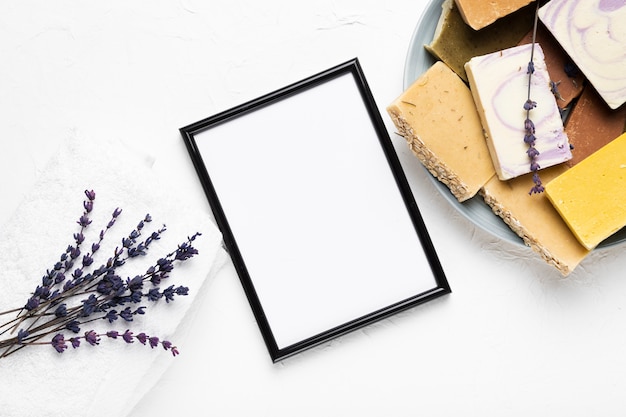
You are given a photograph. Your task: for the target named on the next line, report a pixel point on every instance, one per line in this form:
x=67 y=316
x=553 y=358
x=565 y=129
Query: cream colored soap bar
x=590 y=196
x=481 y=13
x=593 y=33
x=535 y=220
x=499 y=85
x=437 y=117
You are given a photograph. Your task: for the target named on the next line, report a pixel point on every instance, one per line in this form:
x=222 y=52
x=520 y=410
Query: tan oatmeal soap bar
x=481 y=13
x=590 y=196
x=535 y=220
x=437 y=117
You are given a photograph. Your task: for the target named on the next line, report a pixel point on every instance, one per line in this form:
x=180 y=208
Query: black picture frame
x=315 y=210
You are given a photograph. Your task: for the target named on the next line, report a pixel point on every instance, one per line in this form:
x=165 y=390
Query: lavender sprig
x=529 y=126
x=60 y=343
x=92 y=293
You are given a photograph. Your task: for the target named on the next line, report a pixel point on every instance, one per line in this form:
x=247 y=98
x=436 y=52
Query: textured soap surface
x=481 y=13
x=590 y=196
x=455 y=42
x=592 y=124
x=569 y=86
x=437 y=117
x=593 y=33
x=499 y=85
x=535 y=220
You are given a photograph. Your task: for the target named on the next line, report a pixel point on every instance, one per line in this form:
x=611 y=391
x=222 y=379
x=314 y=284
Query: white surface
x=514 y=338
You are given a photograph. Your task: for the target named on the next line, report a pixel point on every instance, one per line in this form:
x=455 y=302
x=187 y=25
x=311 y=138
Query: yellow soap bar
x=437 y=117
x=535 y=220
x=481 y=13
x=590 y=196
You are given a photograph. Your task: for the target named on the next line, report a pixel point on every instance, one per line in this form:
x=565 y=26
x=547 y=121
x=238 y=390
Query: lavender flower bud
x=154 y=294
x=75 y=341
x=88 y=205
x=135 y=284
x=84 y=221
x=79 y=238
x=142 y=337
x=532 y=152
x=154 y=341
x=91 y=195
x=61 y=311
x=126 y=314
x=73 y=326
x=89 y=305
x=21 y=335
x=87 y=260
x=529 y=104
x=113 y=334
x=32 y=303
x=58 y=343
x=92 y=338
x=111 y=316
x=128 y=336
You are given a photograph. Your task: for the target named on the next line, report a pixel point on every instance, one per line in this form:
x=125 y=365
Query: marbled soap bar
x=535 y=220
x=592 y=124
x=569 y=86
x=593 y=33
x=590 y=196
x=499 y=85
x=481 y=13
x=437 y=117
x=455 y=43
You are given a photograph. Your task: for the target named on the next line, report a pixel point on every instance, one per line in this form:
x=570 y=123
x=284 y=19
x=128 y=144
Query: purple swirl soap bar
x=499 y=85
x=593 y=33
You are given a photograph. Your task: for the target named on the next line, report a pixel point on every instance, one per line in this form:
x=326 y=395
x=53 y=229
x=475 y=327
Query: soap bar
x=535 y=220
x=454 y=42
x=568 y=84
x=593 y=33
x=499 y=85
x=590 y=196
x=437 y=117
x=481 y=13
x=592 y=124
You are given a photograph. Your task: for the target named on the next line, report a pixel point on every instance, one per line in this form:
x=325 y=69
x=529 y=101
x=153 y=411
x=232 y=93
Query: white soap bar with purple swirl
x=499 y=85
x=593 y=33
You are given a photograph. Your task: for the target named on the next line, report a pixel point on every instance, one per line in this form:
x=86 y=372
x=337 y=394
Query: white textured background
x=513 y=339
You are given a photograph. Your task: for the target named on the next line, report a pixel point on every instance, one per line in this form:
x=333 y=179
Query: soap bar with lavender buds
x=499 y=85
x=592 y=33
x=590 y=196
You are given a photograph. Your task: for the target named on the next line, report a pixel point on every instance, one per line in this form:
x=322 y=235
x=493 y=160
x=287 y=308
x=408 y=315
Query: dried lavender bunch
x=529 y=126
x=74 y=293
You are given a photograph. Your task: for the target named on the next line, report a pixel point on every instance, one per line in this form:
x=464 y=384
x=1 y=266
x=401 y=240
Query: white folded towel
x=108 y=379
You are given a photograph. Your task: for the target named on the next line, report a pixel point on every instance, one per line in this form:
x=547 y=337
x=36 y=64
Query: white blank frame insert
x=315 y=210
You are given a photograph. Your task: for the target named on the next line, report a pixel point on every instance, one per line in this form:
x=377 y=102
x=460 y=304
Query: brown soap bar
x=455 y=42
x=482 y=13
x=556 y=60
x=592 y=124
